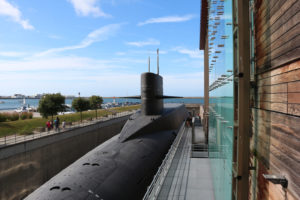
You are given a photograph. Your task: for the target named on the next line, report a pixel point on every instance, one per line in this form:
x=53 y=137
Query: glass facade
x=221 y=101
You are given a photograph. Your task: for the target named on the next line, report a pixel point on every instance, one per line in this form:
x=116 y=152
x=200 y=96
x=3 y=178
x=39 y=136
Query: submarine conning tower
x=151 y=94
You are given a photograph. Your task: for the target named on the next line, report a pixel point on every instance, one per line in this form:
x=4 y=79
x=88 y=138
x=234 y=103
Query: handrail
x=154 y=188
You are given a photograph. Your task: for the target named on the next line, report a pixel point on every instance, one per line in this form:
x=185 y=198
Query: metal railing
x=17 y=138
x=155 y=186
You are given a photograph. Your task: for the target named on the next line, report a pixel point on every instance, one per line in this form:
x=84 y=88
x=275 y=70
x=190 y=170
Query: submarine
x=123 y=167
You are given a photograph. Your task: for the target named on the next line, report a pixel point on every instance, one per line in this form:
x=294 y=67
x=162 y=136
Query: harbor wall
x=27 y=165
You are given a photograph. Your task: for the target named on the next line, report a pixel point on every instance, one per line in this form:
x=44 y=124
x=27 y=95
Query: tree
x=51 y=104
x=81 y=104
x=95 y=103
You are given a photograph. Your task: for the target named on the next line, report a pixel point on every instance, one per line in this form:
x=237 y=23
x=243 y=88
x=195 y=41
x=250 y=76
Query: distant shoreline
x=180 y=98
x=27 y=98
x=102 y=97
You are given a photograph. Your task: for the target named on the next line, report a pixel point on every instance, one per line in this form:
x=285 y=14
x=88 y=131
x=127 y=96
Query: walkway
x=16 y=138
x=188 y=178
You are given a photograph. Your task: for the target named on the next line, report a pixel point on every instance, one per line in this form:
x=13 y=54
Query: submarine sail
x=122 y=167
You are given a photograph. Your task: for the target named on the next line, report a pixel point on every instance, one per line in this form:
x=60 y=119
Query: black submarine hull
x=124 y=166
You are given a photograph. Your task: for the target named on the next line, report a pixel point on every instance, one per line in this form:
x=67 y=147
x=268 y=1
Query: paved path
x=13 y=139
x=188 y=178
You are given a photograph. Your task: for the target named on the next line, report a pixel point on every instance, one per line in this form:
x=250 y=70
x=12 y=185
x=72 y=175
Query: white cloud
x=102 y=82
x=191 y=53
x=88 y=7
x=7 y=9
x=144 y=43
x=72 y=82
x=70 y=74
x=98 y=35
x=107 y=77
x=167 y=19
x=11 y=54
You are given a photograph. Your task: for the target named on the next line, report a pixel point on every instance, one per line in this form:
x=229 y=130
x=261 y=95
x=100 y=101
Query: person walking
x=56 y=123
x=55 y=126
x=63 y=125
x=51 y=125
x=48 y=125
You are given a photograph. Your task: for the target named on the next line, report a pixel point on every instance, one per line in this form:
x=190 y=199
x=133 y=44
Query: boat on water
x=68 y=110
x=2 y=102
x=25 y=108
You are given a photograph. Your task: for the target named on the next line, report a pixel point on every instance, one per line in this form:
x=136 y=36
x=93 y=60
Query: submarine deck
x=188 y=178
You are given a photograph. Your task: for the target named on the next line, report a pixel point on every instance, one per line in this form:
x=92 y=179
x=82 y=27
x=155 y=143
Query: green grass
x=27 y=126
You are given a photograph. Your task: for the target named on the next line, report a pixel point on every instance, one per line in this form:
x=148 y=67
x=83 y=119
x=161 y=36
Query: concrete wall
x=26 y=166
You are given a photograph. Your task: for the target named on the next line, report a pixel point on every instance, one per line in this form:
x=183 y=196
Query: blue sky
x=98 y=46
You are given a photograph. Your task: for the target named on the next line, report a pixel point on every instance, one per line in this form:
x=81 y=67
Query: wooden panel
x=294 y=65
x=294 y=97
x=286 y=165
x=285 y=153
x=267 y=122
x=276 y=138
x=275 y=98
x=281 y=126
x=278 y=107
x=286 y=68
x=270 y=46
x=289 y=124
x=264 y=40
x=285 y=56
x=294 y=86
x=294 y=109
x=275 y=53
x=281 y=167
x=277 y=193
x=267 y=8
x=280 y=88
x=280 y=78
x=282 y=60
x=269 y=36
x=279 y=16
x=287 y=139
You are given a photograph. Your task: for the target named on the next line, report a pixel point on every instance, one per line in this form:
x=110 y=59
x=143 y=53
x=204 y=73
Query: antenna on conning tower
x=157 y=61
x=149 y=64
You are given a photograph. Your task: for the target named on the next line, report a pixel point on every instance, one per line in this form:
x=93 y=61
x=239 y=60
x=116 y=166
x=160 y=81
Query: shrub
x=30 y=115
x=23 y=115
x=3 y=117
x=14 y=116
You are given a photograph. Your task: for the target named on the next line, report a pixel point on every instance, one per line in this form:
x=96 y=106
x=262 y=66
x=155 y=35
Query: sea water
x=12 y=104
